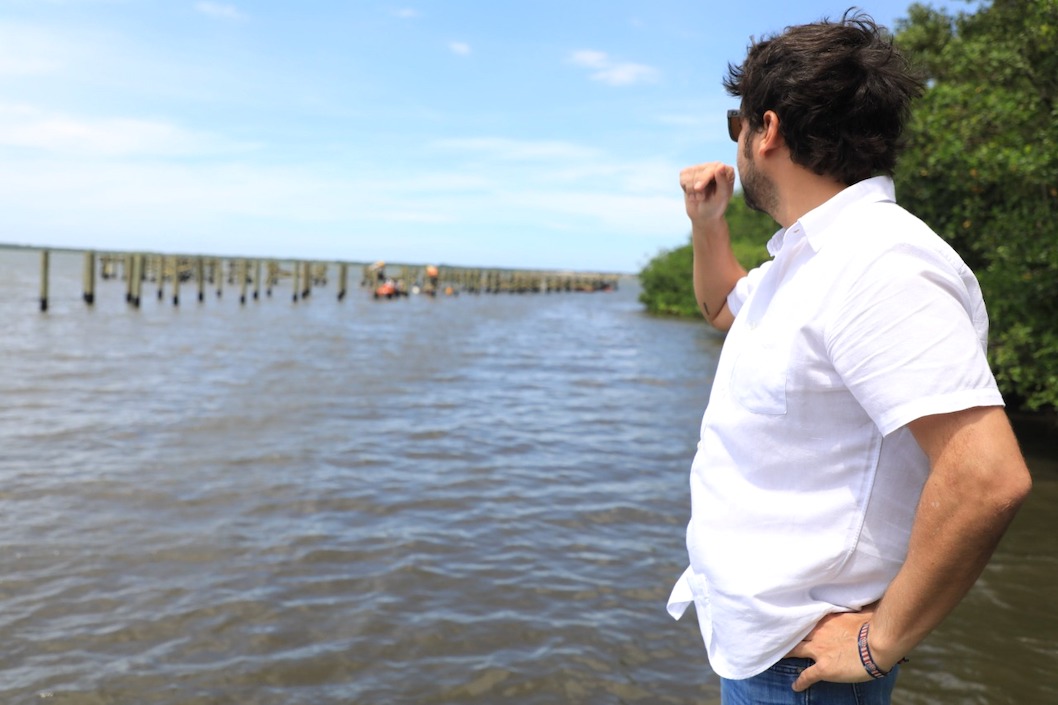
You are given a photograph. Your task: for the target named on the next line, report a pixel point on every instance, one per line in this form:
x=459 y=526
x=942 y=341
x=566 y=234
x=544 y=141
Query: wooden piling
x=136 y=280
x=273 y=278
x=106 y=266
x=128 y=278
x=44 y=256
x=176 y=281
x=243 y=276
x=140 y=264
x=89 y=278
x=343 y=279
x=306 y=275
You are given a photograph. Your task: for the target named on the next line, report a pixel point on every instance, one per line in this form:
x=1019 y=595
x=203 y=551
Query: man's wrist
x=876 y=654
x=710 y=229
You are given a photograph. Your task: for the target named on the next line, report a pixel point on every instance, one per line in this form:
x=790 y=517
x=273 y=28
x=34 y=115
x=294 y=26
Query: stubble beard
x=758 y=191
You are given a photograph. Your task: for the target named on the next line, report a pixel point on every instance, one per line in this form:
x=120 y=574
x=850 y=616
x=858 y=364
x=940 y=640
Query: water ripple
x=468 y=500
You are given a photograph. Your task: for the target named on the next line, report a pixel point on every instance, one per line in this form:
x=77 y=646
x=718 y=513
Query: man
x=856 y=468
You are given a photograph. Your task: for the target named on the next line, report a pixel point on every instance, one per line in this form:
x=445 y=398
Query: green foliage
x=667 y=280
x=667 y=287
x=982 y=169
x=750 y=232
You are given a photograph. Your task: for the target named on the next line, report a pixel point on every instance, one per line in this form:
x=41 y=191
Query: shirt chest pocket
x=758 y=378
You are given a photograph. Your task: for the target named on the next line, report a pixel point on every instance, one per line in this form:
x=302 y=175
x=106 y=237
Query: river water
x=475 y=499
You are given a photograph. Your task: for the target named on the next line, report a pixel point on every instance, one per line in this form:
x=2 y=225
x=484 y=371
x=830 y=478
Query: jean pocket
x=791 y=666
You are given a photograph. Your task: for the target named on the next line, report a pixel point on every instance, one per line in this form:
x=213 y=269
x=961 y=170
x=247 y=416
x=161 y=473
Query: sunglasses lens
x=734 y=124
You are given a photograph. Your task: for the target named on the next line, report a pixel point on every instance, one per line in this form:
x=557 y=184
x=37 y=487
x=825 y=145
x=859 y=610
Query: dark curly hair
x=842 y=92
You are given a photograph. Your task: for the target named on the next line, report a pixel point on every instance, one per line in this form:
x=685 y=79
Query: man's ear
x=771 y=136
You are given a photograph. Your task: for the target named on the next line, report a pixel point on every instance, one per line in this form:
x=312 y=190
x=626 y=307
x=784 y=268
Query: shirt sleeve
x=908 y=337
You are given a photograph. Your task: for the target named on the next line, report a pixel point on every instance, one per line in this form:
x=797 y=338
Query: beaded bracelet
x=865 y=655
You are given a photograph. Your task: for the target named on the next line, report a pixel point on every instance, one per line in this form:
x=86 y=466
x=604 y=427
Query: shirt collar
x=814 y=225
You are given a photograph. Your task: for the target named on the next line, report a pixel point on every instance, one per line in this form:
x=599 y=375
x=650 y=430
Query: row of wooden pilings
x=253 y=275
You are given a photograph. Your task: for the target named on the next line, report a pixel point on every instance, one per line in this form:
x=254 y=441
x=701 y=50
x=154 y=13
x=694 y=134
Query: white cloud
x=613 y=73
x=459 y=48
x=292 y=210
x=26 y=127
x=407 y=13
x=26 y=65
x=117 y=179
x=650 y=216
x=680 y=120
x=26 y=50
x=505 y=149
x=214 y=9
x=590 y=58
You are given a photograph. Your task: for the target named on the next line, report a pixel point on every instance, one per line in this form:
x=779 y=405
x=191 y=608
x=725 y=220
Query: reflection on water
x=469 y=500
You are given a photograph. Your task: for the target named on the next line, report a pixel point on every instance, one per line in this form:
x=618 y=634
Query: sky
x=485 y=133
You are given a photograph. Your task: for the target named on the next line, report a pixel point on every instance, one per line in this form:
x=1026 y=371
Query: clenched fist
x=707 y=189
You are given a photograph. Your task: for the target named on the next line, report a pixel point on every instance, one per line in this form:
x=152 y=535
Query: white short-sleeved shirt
x=806 y=479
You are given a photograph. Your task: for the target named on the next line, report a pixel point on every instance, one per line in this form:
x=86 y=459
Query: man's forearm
x=707 y=190
x=977 y=482
x=716 y=271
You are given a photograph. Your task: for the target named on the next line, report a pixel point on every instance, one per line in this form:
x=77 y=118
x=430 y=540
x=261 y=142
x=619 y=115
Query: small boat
x=386 y=290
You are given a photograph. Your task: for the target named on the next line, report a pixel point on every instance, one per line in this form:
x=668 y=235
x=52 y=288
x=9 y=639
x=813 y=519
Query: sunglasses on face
x=734 y=124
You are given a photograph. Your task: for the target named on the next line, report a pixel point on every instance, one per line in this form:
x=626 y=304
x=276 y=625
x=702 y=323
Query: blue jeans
x=775 y=687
